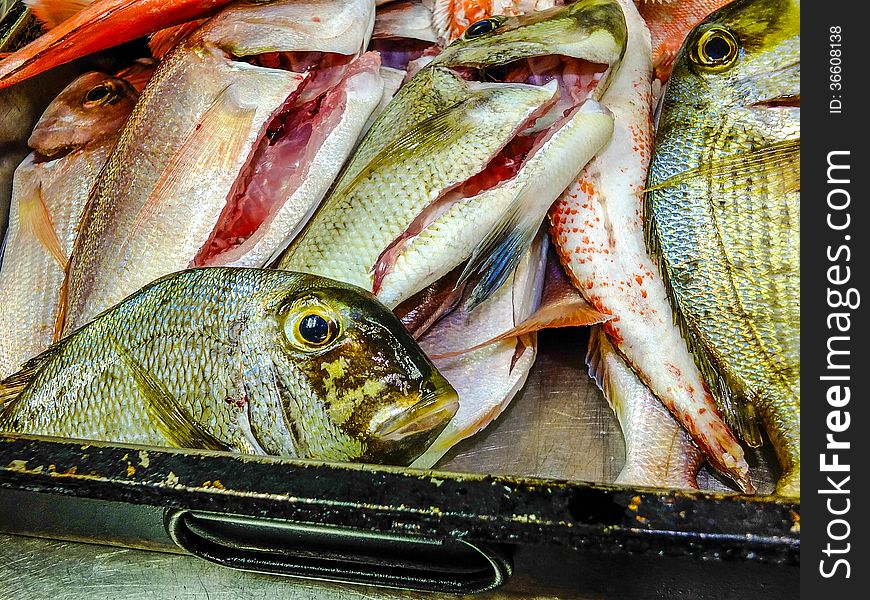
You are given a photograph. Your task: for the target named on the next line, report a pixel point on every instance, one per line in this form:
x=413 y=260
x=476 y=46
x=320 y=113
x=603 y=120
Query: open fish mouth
x=572 y=81
x=278 y=161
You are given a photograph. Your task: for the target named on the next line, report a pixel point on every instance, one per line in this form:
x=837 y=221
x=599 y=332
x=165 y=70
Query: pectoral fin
x=213 y=144
x=36 y=221
x=776 y=165
x=166 y=412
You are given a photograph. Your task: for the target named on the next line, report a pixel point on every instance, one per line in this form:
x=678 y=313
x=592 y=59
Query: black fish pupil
x=96 y=94
x=314 y=329
x=717 y=48
x=480 y=27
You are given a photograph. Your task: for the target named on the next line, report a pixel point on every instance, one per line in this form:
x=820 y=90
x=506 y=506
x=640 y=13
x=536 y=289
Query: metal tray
x=524 y=504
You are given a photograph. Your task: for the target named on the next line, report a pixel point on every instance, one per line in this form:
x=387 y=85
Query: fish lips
x=400 y=438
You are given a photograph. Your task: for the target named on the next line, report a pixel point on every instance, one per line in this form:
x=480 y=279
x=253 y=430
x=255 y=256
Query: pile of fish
x=287 y=230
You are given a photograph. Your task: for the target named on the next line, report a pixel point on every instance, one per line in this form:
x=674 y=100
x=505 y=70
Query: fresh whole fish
x=489 y=132
x=70 y=143
x=21 y=106
x=658 y=452
x=598 y=230
x=250 y=360
x=232 y=144
x=723 y=211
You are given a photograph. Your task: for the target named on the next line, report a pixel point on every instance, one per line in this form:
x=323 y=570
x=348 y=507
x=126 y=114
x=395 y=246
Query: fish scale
x=211 y=358
x=418 y=171
x=723 y=213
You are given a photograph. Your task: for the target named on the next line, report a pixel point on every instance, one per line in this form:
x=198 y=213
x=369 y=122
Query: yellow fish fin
x=35 y=220
x=163 y=408
x=778 y=162
x=12 y=387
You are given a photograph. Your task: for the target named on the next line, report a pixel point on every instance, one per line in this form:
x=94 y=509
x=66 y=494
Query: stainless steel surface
x=37 y=569
x=560 y=426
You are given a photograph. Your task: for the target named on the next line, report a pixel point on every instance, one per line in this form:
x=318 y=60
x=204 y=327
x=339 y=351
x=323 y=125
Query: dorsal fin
x=166 y=39
x=12 y=387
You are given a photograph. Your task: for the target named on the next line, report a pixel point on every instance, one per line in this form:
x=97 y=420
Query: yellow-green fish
x=723 y=210
x=479 y=143
x=249 y=360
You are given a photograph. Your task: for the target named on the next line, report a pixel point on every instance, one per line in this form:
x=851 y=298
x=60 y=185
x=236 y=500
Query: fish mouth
x=279 y=160
x=428 y=416
x=573 y=80
x=397 y=52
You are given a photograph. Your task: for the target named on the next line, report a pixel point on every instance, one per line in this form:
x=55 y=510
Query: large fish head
x=356 y=385
x=744 y=56
x=90 y=108
x=580 y=45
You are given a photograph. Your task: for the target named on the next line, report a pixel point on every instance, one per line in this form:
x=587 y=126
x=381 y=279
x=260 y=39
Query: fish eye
x=481 y=27
x=716 y=49
x=311 y=326
x=104 y=93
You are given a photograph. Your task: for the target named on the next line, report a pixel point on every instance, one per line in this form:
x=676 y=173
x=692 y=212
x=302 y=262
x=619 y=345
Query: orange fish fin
x=213 y=143
x=60 y=319
x=166 y=39
x=103 y=24
x=36 y=221
x=54 y=12
x=565 y=308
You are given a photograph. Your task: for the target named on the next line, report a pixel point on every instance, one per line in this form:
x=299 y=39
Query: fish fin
x=62 y=307
x=101 y=25
x=165 y=410
x=166 y=39
x=596 y=362
x=54 y=12
x=36 y=221
x=779 y=163
x=499 y=253
x=565 y=311
x=12 y=386
x=215 y=141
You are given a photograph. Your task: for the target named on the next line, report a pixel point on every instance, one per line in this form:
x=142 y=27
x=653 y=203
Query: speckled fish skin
x=166 y=184
x=598 y=230
x=216 y=358
x=669 y=22
x=723 y=213
x=658 y=452
x=452 y=17
x=71 y=143
x=406 y=161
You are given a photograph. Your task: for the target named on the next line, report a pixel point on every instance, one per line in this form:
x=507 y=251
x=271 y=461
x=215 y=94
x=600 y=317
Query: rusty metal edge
x=577 y=515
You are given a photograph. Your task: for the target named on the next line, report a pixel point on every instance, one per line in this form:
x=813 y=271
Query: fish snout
x=398 y=437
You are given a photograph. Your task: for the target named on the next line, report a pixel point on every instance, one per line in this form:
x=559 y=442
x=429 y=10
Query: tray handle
x=346 y=555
